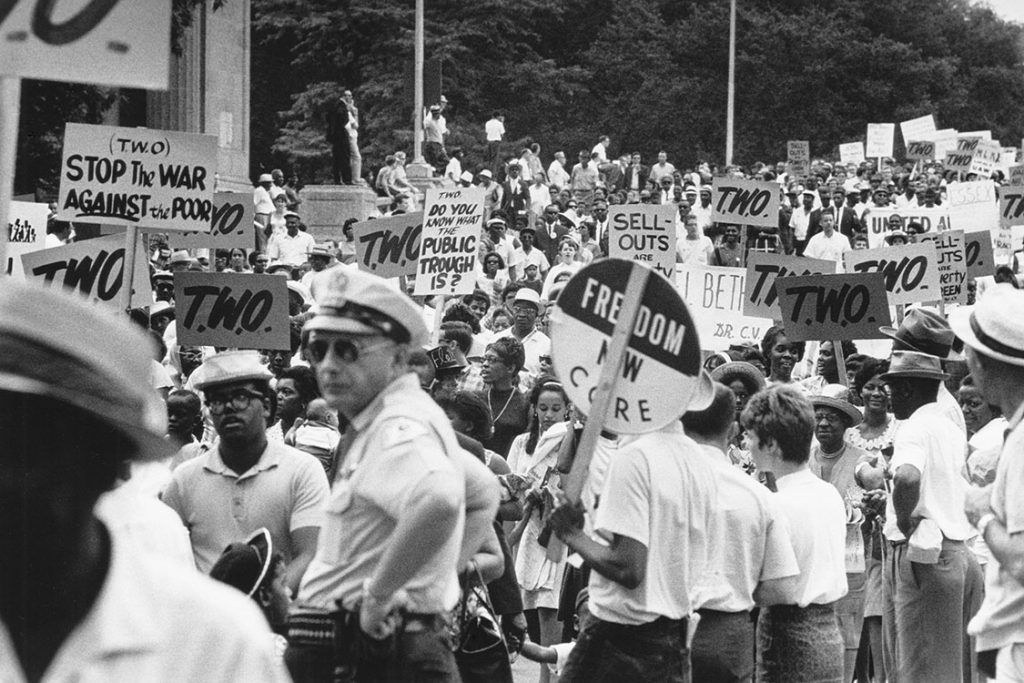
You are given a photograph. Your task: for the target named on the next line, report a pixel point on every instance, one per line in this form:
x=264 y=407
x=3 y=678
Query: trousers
x=605 y=652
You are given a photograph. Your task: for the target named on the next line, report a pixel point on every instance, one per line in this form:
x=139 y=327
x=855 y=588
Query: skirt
x=799 y=645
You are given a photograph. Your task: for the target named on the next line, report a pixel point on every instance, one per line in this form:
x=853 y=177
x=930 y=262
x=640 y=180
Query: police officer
x=371 y=605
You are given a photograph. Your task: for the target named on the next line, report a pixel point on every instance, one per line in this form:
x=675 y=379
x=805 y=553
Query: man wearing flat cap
x=79 y=600
x=293 y=246
x=246 y=482
x=930 y=576
x=993 y=335
x=408 y=507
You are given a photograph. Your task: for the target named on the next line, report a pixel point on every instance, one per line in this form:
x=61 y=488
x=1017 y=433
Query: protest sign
x=745 y=202
x=920 y=149
x=26 y=232
x=945 y=140
x=1011 y=205
x=972 y=205
x=965 y=142
x=879 y=221
x=958 y=160
x=644 y=233
x=911 y=271
x=976 y=134
x=149 y=178
x=760 y=298
x=985 y=158
x=94 y=267
x=662 y=358
x=236 y=310
x=105 y=42
x=798 y=154
x=1016 y=175
x=952 y=262
x=231 y=225
x=921 y=128
x=848 y=306
x=880 y=137
x=851 y=152
x=389 y=247
x=1007 y=158
x=979 y=253
x=714 y=295
x=452 y=218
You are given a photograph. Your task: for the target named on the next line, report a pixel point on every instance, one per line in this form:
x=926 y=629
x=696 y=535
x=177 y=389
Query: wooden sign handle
x=837 y=349
x=10 y=110
x=609 y=377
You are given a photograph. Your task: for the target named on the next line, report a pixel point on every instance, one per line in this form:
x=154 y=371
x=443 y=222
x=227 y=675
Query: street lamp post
x=730 y=103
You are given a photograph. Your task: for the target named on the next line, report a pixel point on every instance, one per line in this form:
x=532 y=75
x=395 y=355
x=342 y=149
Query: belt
x=317 y=627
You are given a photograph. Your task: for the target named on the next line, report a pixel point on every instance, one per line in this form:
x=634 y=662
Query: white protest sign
x=152 y=178
x=1016 y=175
x=760 y=298
x=236 y=310
x=452 y=218
x=1007 y=158
x=945 y=141
x=644 y=233
x=105 y=42
x=979 y=134
x=851 y=152
x=231 y=225
x=798 y=153
x=985 y=158
x=952 y=260
x=714 y=295
x=745 y=202
x=881 y=220
x=95 y=267
x=972 y=205
x=911 y=271
x=918 y=150
x=26 y=232
x=880 y=137
x=921 y=128
x=662 y=363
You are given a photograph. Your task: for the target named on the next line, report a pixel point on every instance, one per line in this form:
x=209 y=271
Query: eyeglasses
x=345 y=349
x=238 y=400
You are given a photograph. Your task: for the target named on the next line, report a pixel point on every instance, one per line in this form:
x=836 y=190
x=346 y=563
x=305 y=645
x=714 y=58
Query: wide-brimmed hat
x=320 y=250
x=893 y=234
x=245 y=565
x=915 y=364
x=265 y=178
x=752 y=378
x=53 y=343
x=924 y=330
x=228 y=367
x=703 y=395
x=179 y=256
x=995 y=326
x=354 y=302
x=838 y=397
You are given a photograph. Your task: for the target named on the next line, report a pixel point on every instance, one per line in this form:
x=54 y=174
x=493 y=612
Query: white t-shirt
x=758 y=548
x=935 y=446
x=290 y=250
x=520 y=259
x=660 y=493
x=817 y=527
x=800 y=221
x=694 y=251
x=495 y=130
x=829 y=248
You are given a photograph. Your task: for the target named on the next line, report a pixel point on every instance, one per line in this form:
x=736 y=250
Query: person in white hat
x=993 y=335
x=293 y=246
x=525 y=309
x=79 y=599
x=408 y=507
x=800 y=221
x=492 y=192
x=247 y=481
x=929 y=574
x=263 y=201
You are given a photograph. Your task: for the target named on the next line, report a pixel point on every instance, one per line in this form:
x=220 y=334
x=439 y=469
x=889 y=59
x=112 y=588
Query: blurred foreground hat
x=245 y=565
x=265 y=178
x=321 y=250
x=923 y=330
x=230 y=366
x=995 y=327
x=914 y=364
x=179 y=256
x=354 y=302
x=55 y=344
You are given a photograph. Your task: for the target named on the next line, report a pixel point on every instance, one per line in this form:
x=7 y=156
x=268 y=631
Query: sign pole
x=10 y=109
x=439 y=302
x=610 y=373
x=131 y=236
x=837 y=349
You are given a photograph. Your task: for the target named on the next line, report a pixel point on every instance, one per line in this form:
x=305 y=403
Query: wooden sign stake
x=10 y=111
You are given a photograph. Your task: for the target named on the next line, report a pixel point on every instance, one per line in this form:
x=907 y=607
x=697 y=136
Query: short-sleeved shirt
x=401 y=439
x=262 y=200
x=659 y=492
x=520 y=259
x=1000 y=621
x=828 y=248
x=289 y=250
x=535 y=345
x=935 y=446
x=495 y=130
x=285 y=490
x=758 y=549
x=817 y=526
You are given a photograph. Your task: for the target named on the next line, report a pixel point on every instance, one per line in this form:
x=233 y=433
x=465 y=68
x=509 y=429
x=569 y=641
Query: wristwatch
x=983 y=523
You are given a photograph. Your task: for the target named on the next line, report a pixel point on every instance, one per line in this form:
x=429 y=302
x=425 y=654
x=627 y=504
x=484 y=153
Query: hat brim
x=335 y=323
x=917 y=374
x=741 y=370
x=960 y=322
x=704 y=395
x=845 y=407
x=891 y=333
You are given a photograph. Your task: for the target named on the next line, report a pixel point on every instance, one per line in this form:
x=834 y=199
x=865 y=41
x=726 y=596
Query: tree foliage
x=652 y=74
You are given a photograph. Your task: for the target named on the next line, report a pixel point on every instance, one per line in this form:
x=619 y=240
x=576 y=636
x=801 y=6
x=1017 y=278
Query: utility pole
x=730 y=106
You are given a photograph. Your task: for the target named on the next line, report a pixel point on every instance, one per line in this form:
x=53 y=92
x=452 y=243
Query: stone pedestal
x=325 y=208
x=421 y=176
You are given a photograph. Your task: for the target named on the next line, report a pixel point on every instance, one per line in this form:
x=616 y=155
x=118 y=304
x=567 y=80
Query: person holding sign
x=828 y=244
x=798 y=636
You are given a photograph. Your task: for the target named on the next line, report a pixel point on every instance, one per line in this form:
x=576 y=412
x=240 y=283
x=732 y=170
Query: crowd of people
x=387 y=499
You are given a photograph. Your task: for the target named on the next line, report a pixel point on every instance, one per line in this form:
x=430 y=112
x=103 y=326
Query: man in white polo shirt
x=293 y=246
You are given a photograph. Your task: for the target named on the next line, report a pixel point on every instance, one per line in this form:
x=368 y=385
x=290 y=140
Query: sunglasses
x=345 y=349
x=238 y=400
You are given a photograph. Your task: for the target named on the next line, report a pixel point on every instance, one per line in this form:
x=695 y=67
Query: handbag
x=478 y=641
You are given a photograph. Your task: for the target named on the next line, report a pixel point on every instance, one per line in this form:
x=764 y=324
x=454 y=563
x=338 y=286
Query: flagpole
x=730 y=104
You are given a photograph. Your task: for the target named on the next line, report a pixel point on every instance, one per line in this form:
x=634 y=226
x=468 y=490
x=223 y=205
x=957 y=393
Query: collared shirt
x=1000 y=621
x=285 y=490
x=935 y=446
x=759 y=547
x=817 y=527
x=262 y=201
x=292 y=251
x=584 y=177
x=659 y=493
x=153 y=622
x=659 y=171
x=535 y=345
x=434 y=130
x=800 y=221
x=396 y=442
x=832 y=248
x=495 y=130
x=557 y=175
x=521 y=259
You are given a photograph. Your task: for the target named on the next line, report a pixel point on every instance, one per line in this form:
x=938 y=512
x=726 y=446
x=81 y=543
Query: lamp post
x=731 y=100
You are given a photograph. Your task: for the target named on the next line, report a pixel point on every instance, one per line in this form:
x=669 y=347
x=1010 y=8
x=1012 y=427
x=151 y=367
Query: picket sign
x=745 y=202
x=1011 y=205
x=911 y=271
x=235 y=310
x=952 y=264
x=763 y=270
x=798 y=155
x=851 y=152
x=847 y=306
x=26 y=232
x=644 y=233
x=389 y=247
x=231 y=225
x=448 y=247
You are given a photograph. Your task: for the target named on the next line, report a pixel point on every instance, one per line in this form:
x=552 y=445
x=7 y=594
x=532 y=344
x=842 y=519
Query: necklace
x=497 y=417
